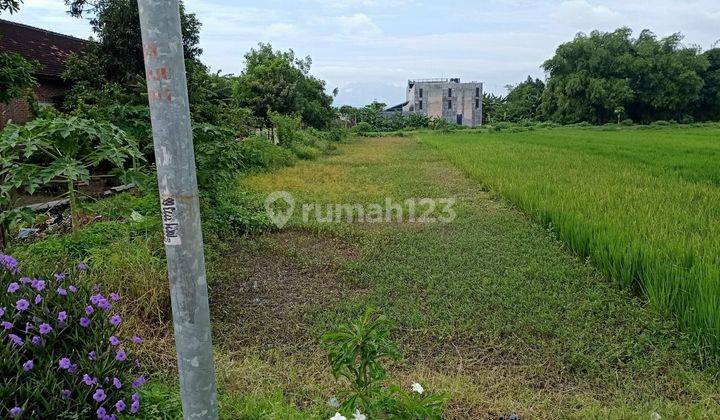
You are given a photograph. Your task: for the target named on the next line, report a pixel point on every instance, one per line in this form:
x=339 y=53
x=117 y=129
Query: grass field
x=489 y=308
x=643 y=205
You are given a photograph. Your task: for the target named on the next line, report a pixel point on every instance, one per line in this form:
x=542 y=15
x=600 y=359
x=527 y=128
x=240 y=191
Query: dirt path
x=489 y=308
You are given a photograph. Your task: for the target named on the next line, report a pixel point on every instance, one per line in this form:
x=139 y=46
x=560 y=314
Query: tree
x=666 y=77
x=592 y=75
x=17 y=78
x=493 y=108
x=589 y=77
x=523 y=101
x=708 y=106
x=278 y=81
x=117 y=56
x=11 y=6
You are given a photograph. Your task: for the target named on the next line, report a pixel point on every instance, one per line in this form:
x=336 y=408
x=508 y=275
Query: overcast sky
x=369 y=48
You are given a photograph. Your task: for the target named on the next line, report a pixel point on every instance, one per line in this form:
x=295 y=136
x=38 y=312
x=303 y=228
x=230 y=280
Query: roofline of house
x=44 y=30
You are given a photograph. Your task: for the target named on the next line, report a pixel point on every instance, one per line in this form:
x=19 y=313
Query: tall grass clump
x=643 y=205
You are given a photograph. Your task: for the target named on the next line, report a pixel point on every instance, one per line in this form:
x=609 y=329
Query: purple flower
x=135 y=397
x=114 y=340
x=16 y=340
x=84 y=322
x=99 y=395
x=22 y=305
x=89 y=310
x=64 y=363
x=2 y=311
x=101 y=412
x=140 y=381
x=65 y=394
x=104 y=305
x=120 y=405
x=137 y=340
x=25 y=280
x=59 y=276
x=15 y=411
x=88 y=380
x=13 y=287
x=95 y=299
x=36 y=340
x=45 y=328
x=9 y=263
x=115 y=320
x=7 y=325
x=62 y=316
x=120 y=355
x=73 y=369
x=92 y=355
x=114 y=297
x=135 y=407
x=38 y=299
x=38 y=285
x=27 y=366
x=81 y=266
x=117 y=383
x=72 y=289
x=61 y=291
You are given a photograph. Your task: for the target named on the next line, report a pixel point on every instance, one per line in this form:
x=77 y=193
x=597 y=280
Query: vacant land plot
x=644 y=205
x=490 y=307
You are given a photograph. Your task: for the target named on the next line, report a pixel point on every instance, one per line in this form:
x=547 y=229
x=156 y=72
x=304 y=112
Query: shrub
x=363 y=127
x=356 y=353
x=627 y=122
x=59 y=149
x=218 y=156
x=287 y=127
x=60 y=351
x=259 y=153
x=303 y=151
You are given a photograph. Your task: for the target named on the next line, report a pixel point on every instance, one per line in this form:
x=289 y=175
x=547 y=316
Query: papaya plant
x=60 y=149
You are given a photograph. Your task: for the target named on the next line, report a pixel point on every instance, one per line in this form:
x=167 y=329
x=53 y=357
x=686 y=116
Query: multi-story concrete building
x=456 y=102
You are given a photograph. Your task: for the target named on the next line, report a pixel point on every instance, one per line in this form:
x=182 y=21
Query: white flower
x=655 y=416
x=416 y=387
x=333 y=402
x=338 y=416
x=358 y=415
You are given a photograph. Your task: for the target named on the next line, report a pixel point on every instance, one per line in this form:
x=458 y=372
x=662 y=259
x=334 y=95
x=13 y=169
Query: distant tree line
x=611 y=76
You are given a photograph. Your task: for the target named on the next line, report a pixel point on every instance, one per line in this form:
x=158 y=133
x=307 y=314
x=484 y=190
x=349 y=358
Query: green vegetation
x=489 y=308
x=605 y=77
x=642 y=204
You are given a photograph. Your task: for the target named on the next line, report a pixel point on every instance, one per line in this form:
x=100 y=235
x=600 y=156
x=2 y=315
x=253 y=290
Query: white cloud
x=583 y=15
x=358 y=25
x=277 y=30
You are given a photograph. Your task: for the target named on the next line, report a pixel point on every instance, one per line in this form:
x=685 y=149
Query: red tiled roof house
x=51 y=50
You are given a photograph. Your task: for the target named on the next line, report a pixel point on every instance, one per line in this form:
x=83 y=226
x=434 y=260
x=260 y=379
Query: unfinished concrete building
x=456 y=102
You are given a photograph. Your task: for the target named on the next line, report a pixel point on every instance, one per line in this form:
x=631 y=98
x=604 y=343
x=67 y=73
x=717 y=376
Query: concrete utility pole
x=175 y=160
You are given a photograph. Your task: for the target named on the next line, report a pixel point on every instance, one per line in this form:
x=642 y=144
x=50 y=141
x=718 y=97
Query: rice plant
x=644 y=205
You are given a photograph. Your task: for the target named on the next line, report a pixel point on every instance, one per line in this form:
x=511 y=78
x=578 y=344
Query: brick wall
x=48 y=91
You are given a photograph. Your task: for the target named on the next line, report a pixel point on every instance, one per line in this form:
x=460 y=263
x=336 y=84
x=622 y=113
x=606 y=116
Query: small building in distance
x=51 y=50
x=456 y=102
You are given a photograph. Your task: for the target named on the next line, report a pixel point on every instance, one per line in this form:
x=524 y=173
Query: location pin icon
x=279 y=217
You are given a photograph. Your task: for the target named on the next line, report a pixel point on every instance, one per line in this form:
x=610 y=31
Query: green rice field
x=642 y=205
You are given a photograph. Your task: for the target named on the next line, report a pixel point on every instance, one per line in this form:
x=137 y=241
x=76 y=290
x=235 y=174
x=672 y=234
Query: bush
x=259 y=153
x=218 y=156
x=228 y=208
x=356 y=352
x=303 y=151
x=60 y=354
x=627 y=122
x=362 y=127
x=287 y=127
